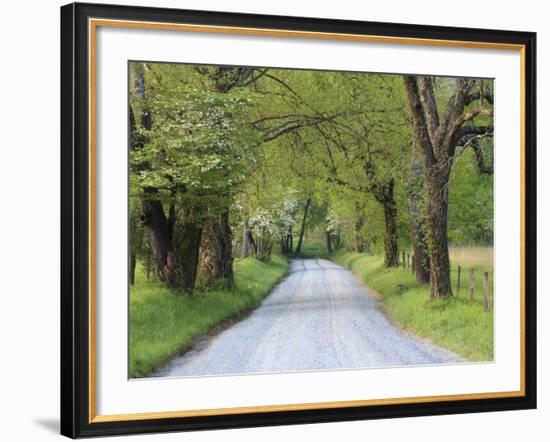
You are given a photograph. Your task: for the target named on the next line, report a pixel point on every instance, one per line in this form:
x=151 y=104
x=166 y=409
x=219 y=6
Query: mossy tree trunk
x=391 y=258
x=216 y=255
x=416 y=205
x=384 y=193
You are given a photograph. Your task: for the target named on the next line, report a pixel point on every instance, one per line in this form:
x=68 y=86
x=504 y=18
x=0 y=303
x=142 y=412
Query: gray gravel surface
x=318 y=318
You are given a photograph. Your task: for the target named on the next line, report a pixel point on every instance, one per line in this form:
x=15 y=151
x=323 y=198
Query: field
x=459 y=324
x=164 y=322
x=473 y=256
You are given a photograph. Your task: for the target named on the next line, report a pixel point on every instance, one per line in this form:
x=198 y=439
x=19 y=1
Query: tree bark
x=182 y=262
x=303 y=229
x=148 y=264
x=245 y=246
x=420 y=253
x=440 y=269
x=360 y=244
x=329 y=242
x=216 y=261
x=174 y=245
x=252 y=243
x=132 y=268
x=290 y=240
x=156 y=230
x=416 y=203
x=384 y=194
x=284 y=248
x=391 y=259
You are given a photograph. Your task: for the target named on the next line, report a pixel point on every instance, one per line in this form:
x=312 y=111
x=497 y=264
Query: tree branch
x=419 y=119
x=429 y=105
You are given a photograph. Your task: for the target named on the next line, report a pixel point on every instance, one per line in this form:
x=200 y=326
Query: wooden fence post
x=472 y=283
x=486 y=291
x=458 y=282
x=403 y=258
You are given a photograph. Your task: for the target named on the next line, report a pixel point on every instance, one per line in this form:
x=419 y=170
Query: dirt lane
x=319 y=318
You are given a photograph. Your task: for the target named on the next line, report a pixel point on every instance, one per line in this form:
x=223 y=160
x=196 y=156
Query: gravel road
x=318 y=318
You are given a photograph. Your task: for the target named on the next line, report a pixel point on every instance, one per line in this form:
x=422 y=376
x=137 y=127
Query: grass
x=473 y=256
x=459 y=324
x=164 y=323
x=314 y=248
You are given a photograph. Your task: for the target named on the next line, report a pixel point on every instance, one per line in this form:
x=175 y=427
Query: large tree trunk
x=384 y=194
x=361 y=246
x=420 y=253
x=254 y=247
x=440 y=269
x=158 y=236
x=216 y=256
x=415 y=199
x=329 y=242
x=246 y=245
x=174 y=245
x=182 y=263
x=391 y=258
x=303 y=229
x=132 y=268
x=290 y=240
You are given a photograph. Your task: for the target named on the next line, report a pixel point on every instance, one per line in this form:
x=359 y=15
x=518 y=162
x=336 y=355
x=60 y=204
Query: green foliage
x=164 y=322
x=459 y=324
x=314 y=246
x=199 y=148
x=470 y=203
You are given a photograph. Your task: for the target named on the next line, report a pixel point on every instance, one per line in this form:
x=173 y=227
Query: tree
x=184 y=160
x=437 y=137
x=363 y=151
x=216 y=257
x=152 y=215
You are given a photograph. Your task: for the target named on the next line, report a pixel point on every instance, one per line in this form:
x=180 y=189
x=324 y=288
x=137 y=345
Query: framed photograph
x=274 y=220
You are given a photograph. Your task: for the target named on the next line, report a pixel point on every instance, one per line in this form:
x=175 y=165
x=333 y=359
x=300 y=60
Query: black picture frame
x=75 y=221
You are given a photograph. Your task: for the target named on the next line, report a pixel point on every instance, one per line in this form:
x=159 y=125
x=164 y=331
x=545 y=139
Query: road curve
x=318 y=318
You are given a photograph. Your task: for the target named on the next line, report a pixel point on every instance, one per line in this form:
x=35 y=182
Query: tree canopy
x=228 y=162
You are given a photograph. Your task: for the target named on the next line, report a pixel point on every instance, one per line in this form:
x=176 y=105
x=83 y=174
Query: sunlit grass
x=459 y=324
x=473 y=256
x=164 y=322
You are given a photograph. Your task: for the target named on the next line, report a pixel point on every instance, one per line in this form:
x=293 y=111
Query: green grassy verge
x=164 y=322
x=459 y=324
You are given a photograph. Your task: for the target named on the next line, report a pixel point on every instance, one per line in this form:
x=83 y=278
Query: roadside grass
x=459 y=324
x=164 y=323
